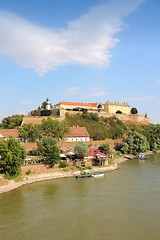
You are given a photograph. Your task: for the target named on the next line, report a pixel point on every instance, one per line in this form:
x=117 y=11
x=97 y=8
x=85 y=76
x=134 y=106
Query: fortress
x=120 y=110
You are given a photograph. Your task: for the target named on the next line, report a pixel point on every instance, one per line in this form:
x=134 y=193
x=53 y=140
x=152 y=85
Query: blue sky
x=85 y=51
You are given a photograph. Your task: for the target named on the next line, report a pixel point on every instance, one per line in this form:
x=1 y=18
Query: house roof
x=94 y=153
x=80 y=104
x=6 y=133
x=100 y=154
x=77 y=132
x=91 y=153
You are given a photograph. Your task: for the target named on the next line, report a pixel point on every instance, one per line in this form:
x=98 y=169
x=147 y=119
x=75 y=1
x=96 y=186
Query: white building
x=77 y=134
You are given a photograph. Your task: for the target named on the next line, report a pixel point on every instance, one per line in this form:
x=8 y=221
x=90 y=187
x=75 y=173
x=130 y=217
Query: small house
x=96 y=157
x=77 y=134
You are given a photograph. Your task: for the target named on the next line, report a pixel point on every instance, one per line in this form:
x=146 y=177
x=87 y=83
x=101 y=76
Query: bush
x=104 y=147
x=98 y=128
x=46 y=112
x=28 y=172
x=63 y=164
x=12 y=156
x=134 y=143
x=134 y=110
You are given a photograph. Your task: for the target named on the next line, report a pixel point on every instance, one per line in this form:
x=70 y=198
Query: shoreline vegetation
x=119 y=139
x=11 y=185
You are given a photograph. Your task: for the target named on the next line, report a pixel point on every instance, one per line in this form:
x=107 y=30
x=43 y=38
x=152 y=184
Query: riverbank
x=10 y=185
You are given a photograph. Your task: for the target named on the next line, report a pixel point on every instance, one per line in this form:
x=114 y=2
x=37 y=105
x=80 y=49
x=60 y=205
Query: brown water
x=124 y=205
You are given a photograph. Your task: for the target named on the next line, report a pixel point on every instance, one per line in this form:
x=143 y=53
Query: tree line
x=135 y=139
x=48 y=127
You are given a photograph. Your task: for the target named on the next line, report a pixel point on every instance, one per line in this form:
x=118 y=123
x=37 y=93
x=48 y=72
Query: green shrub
x=63 y=164
x=28 y=172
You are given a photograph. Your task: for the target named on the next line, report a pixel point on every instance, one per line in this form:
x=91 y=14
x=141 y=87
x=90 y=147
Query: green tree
x=134 y=143
x=29 y=132
x=100 y=107
x=54 y=128
x=33 y=113
x=99 y=129
x=46 y=112
x=104 y=147
x=81 y=149
x=84 y=111
x=12 y=121
x=90 y=116
x=115 y=132
x=12 y=156
x=48 y=148
x=115 y=128
x=134 y=110
x=152 y=133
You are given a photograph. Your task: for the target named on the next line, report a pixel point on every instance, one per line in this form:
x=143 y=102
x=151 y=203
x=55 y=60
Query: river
x=123 y=205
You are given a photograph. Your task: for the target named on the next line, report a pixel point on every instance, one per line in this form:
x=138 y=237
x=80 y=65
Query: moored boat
x=142 y=156
x=98 y=174
x=84 y=175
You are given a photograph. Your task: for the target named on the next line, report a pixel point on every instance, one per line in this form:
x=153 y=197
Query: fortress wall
x=134 y=118
x=123 y=117
x=126 y=118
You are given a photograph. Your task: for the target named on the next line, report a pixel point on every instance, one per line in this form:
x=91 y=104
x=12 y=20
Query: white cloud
x=72 y=91
x=87 y=40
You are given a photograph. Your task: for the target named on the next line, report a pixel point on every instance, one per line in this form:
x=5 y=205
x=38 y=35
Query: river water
x=123 y=205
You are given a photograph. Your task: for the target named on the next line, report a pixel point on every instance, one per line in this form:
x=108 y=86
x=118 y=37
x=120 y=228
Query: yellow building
x=113 y=107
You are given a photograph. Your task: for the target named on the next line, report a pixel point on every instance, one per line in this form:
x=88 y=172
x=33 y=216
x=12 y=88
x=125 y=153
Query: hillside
x=98 y=128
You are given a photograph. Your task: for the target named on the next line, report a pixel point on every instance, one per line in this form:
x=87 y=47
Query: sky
x=83 y=51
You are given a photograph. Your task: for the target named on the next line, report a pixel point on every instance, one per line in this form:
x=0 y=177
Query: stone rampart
x=138 y=118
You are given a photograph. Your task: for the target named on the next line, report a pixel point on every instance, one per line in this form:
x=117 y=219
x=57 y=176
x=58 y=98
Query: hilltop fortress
x=109 y=109
x=120 y=110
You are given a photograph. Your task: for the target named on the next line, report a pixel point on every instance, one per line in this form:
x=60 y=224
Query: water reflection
x=123 y=205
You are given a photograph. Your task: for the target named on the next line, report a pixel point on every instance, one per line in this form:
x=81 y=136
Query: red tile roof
x=99 y=153
x=6 y=133
x=80 y=104
x=77 y=132
x=94 y=153
x=91 y=153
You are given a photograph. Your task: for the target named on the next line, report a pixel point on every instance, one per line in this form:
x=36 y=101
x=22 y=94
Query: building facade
x=76 y=105
x=77 y=134
x=114 y=107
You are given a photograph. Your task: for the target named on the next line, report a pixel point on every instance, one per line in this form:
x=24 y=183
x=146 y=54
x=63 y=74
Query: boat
x=84 y=175
x=142 y=156
x=98 y=174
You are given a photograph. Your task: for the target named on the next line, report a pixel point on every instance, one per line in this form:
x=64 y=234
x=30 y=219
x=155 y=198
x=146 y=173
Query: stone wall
x=133 y=118
x=138 y=118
